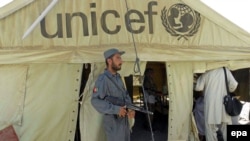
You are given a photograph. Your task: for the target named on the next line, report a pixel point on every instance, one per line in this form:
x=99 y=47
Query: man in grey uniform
x=109 y=83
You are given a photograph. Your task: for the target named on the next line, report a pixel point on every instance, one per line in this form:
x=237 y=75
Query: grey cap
x=111 y=52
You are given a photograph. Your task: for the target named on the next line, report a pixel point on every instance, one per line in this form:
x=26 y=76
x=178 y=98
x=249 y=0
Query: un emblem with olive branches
x=180 y=21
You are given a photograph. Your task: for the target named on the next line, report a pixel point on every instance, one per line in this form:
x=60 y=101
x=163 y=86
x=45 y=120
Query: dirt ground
x=141 y=133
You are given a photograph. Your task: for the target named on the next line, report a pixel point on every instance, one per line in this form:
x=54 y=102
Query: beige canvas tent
x=40 y=74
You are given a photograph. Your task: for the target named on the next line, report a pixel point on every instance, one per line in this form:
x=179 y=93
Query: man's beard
x=116 y=67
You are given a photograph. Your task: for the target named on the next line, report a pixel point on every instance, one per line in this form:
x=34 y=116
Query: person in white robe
x=212 y=83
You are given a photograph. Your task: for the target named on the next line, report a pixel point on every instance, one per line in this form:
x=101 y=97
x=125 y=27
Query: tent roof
x=79 y=31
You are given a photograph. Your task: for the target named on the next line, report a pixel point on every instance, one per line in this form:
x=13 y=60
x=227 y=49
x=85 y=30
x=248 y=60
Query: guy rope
x=138 y=70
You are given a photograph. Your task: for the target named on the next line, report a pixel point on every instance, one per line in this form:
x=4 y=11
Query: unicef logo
x=180 y=20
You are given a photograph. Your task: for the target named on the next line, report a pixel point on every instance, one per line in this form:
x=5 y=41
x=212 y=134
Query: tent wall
x=40 y=100
x=180 y=86
x=48 y=94
x=12 y=93
x=45 y=97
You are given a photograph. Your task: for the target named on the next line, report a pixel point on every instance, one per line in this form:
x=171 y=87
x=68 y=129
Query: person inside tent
x=151 y=93
x=198 y=112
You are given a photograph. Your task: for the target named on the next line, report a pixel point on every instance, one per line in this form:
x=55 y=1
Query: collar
x=110 y=74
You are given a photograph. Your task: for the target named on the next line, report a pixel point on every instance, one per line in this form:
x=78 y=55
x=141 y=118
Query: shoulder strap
x=226 y=79
x=115 y=83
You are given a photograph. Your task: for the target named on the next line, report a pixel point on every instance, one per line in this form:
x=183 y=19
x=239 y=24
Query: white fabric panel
x=180 y=84
x=201 y=67
x=90 y=120
x=214 y=37
x=232 y=65
x=50 y=110
x=129 y=68
x=12 y=94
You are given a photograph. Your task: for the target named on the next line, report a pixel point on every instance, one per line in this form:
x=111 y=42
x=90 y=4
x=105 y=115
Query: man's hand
x=122 y=112
x=131 y=113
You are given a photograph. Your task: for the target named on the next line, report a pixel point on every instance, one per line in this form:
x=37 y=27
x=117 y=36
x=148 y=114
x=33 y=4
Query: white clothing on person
x=150 y=98
x=213 y=85
x=243 y=118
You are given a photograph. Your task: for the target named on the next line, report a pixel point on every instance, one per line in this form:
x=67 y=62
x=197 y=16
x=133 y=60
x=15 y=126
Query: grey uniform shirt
x=116 y=128
x=105 y=87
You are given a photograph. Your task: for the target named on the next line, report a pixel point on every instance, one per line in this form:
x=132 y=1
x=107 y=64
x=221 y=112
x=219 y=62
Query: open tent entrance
x=141 y=131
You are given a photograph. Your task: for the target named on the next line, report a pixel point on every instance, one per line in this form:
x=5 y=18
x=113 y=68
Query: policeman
x=109 y=83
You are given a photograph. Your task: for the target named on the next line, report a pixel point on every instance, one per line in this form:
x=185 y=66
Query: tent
x=41 y=74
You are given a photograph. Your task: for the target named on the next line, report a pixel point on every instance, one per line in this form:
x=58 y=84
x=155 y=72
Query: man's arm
x=200 y=83
x=97 y=99
x=232 y=83
x=119 y=102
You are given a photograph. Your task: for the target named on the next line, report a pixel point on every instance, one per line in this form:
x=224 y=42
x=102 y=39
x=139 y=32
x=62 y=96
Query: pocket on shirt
x=109 y=122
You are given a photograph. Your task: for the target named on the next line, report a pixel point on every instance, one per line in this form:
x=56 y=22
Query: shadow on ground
x=141 y=133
